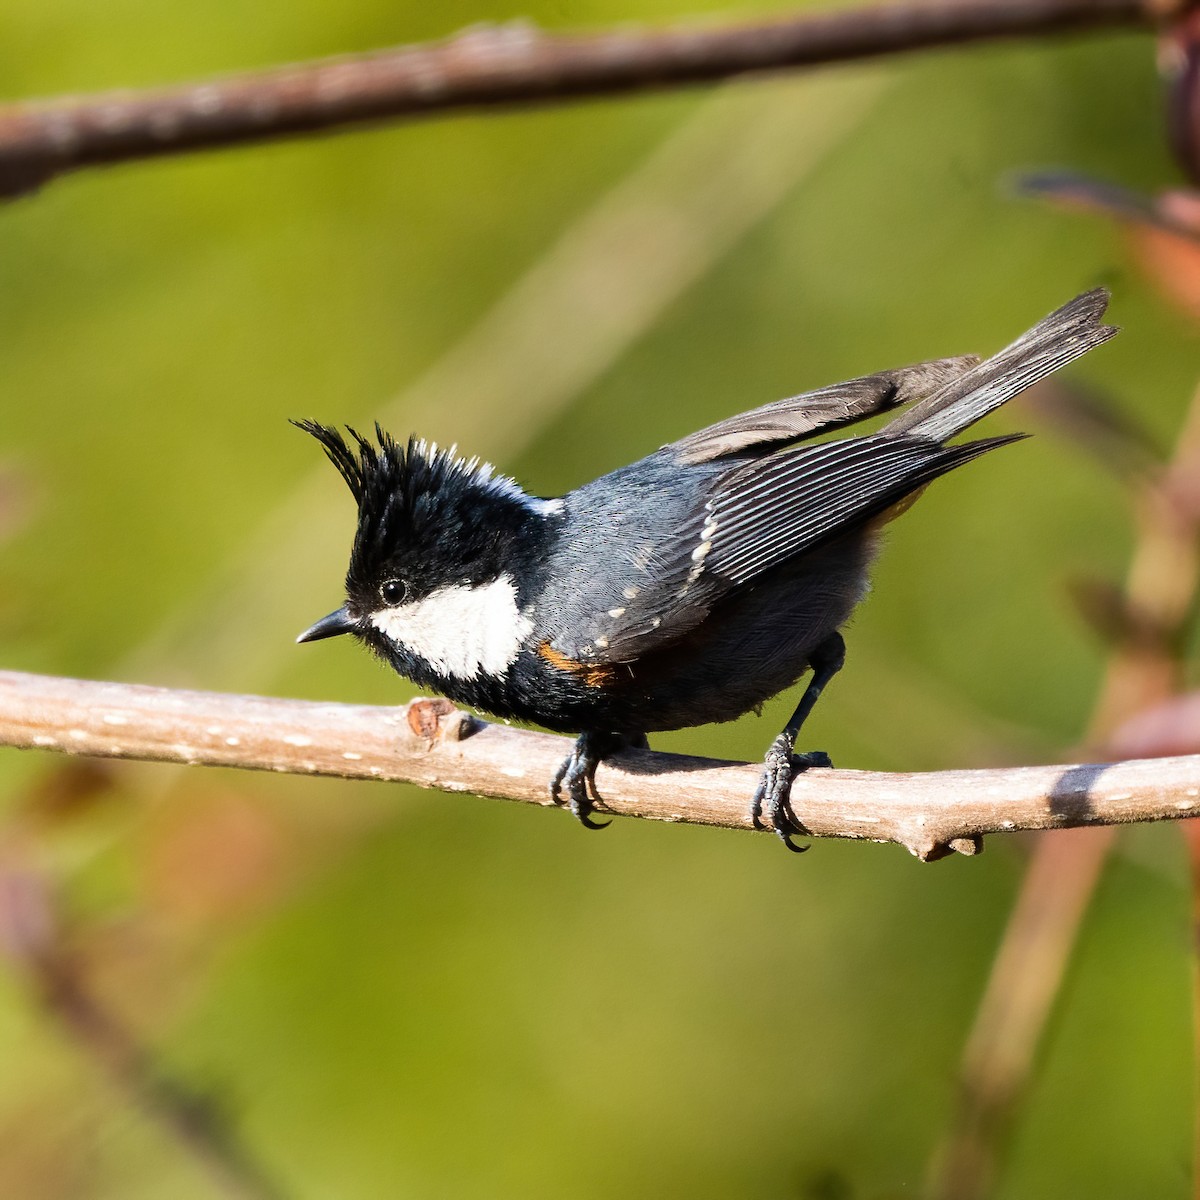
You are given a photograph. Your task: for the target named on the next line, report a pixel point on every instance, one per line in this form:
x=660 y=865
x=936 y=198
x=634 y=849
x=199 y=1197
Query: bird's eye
x=392 y=592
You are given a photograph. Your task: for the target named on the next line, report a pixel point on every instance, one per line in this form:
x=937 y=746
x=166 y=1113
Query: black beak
x=330 y=626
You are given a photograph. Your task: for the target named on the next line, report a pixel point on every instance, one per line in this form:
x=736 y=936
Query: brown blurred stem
x=30 y=938
x=430 y=744
x=513 y=64
x=1031 y=963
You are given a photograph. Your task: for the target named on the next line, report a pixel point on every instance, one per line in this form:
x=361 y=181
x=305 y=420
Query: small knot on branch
x=434 y=719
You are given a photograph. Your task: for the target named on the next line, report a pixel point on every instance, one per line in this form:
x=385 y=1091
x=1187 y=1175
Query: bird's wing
x=750 y=518
x=620 y=585
x=773 y=509
x=737 y=499
x=773 y=425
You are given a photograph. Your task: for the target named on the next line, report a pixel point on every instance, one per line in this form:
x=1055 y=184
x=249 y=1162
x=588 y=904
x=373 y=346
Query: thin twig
x=432 y=745
x=1030 y=965
x=507 y=65
x=30 y=937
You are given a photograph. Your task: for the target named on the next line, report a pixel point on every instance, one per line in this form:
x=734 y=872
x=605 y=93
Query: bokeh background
x=381 y=992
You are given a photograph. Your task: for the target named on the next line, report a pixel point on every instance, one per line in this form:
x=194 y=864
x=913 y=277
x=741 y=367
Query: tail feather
x=1053 y=342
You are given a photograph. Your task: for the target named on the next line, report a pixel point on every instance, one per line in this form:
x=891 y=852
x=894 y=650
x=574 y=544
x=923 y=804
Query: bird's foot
x=577 y=776
x=769 y=809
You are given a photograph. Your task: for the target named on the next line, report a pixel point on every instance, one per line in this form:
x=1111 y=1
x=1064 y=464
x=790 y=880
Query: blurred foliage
x=392 y=993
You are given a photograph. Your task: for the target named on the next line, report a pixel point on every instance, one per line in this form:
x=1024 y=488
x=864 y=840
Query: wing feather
x=759 y=514
x=774 y=508
x=713 y=511
x=825 y=409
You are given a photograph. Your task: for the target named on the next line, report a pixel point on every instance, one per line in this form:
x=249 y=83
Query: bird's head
x=440 y=556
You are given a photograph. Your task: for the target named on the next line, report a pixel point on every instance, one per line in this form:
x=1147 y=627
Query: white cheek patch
x=461 y=631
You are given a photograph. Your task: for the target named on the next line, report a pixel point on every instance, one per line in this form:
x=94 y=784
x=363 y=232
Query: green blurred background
x=396 y=993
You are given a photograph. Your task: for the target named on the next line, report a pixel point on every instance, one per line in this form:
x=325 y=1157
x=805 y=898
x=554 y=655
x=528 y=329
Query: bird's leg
x=577 y=775
x=768 y=809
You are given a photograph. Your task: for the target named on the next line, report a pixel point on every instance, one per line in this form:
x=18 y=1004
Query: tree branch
x=431 y=744
x=32 y=938
x=1144 y=670
x=507 y=65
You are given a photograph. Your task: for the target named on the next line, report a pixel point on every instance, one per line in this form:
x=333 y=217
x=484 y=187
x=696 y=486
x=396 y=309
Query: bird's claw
x=577 y=777
x=769 y=809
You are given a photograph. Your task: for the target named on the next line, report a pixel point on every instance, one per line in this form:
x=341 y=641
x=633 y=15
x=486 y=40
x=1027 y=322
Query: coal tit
x=684 y=589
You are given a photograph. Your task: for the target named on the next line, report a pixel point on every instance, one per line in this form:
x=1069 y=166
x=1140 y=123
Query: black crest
x=384 y=474
x=424 y=514
x=354 y=470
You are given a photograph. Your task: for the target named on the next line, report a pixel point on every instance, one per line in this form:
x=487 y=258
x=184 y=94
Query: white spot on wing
x=461 y=631
x=698 y=556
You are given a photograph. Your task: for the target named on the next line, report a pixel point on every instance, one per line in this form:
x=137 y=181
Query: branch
x=1144 y=670
x=507 y=65
x=431 y=744
x=31 y=937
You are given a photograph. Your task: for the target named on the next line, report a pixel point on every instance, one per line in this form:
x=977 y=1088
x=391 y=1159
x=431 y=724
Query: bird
x=684 y=589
